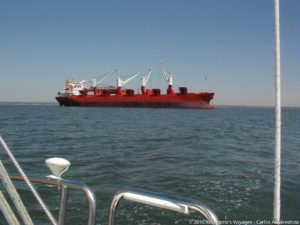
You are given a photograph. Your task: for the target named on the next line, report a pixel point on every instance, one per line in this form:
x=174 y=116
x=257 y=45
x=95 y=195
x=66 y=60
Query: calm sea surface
x=223 y=157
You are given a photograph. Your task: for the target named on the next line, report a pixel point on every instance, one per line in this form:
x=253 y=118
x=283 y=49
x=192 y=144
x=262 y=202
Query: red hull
x=189 y=100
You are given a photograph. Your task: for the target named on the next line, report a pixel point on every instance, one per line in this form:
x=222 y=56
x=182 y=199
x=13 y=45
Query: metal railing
x=170 y=202
x=64 y=185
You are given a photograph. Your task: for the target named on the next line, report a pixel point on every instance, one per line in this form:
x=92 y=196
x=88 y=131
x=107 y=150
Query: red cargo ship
x=76 y=94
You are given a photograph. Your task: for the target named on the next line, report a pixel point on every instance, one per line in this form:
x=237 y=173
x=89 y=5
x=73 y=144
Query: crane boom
x=146 y=77
x=96 y=83
x=110 y=73
x=121 y=82
x=168 y=76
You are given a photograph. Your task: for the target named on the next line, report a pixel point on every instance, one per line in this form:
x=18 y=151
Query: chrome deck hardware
x=170 y=202
x=64 y=185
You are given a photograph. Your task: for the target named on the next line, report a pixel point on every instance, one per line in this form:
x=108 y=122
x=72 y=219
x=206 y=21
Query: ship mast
x=277 y=164
x=145 y=79
x=169 y=78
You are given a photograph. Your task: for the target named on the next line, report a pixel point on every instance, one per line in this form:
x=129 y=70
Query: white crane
x=168 y=76
x=146 y=77
x=96 y=83
x=169 y=79
x=121 y=82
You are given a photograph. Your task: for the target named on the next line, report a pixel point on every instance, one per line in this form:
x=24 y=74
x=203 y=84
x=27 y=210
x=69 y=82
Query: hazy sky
x=230 y=42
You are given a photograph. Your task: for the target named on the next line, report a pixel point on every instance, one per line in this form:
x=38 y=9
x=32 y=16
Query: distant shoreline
x=27 y=103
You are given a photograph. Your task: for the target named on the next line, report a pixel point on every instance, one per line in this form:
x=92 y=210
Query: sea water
x=223 y=157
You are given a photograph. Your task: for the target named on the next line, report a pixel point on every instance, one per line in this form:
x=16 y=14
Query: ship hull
x=188 y=101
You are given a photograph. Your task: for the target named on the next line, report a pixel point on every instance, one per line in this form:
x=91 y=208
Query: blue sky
x=230 y=42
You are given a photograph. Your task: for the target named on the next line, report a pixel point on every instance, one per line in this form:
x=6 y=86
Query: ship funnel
x=57 y=166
